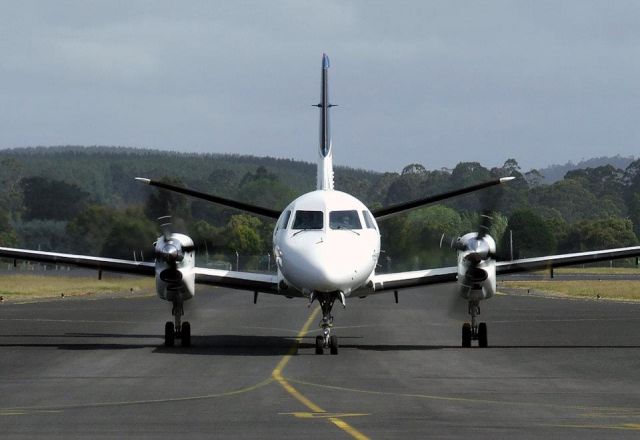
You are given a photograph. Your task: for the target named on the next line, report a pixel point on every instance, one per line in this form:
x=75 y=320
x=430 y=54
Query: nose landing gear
x=326 y=340
x=177 y=329
x=474 y=331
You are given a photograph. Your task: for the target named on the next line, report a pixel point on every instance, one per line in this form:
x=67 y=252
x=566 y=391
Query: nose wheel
x=177 y=329
x=474 y=331
x=326 y=340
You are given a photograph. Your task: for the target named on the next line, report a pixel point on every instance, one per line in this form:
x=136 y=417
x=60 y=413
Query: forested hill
x=107 y=173
x=85 y=200
x=553 y=173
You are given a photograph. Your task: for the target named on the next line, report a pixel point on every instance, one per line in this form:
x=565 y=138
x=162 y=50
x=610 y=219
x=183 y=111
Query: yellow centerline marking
x=277 y=376
x=315 y=415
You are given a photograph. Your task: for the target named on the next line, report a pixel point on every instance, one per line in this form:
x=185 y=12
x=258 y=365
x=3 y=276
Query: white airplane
x=326 y=245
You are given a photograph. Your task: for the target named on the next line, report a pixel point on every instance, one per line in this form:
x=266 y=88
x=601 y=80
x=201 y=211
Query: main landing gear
x=326 y=340
x=178 y=330
x=474 y=331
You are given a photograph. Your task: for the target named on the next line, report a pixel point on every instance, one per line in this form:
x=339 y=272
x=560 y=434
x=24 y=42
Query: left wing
x=224 y=278
x=404 y=280
x=540 y=263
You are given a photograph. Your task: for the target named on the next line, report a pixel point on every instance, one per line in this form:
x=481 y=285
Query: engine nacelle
x=175 y=260
x=476 y=266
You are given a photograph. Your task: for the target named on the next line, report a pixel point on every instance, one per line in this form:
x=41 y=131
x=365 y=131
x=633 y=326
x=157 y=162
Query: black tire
x=333 y=344
x=319 y=345
x=466 y=335
x=186 y=334
x=169 y=334
x=482 y=335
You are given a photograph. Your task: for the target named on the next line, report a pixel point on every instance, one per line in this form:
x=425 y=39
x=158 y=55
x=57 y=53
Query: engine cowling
x=476 y=266
x=175 y=260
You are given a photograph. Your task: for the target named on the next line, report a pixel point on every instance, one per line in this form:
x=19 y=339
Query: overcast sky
x=429 y=82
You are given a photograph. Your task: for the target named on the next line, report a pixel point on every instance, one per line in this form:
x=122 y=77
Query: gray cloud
x=428 y=82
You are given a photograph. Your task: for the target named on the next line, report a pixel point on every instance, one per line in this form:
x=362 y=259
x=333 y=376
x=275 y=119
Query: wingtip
x=143 y=179
x=506 y=179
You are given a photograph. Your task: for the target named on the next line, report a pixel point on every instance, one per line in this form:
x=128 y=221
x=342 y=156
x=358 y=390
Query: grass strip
x=37 y=286
x=604 y=289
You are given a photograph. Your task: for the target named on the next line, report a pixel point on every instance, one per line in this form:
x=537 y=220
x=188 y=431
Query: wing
x=256 y=282
x=235 y=280
x=404 y=280
x=539 y=263
x=98 y=263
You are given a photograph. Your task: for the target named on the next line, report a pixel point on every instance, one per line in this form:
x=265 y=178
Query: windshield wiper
x=348 y=229
x=302 y=230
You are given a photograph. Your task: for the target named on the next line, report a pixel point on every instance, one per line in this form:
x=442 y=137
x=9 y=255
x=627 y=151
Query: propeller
x=169 y=250
x=477 y=247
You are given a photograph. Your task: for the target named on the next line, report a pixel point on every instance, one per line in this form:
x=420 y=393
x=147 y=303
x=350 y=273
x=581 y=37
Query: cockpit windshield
x=308 y=220
x=344 y=220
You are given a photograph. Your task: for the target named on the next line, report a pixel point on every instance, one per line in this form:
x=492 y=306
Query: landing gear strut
x=326 y=340
x=474 y=331
x=177 y=329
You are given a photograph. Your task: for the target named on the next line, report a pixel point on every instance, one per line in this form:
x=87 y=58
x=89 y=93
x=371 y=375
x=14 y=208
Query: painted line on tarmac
x=622 y=427
x=465 y=399
x=315 y=415
x=69 y=320
x=318 y=412
x=23 y=410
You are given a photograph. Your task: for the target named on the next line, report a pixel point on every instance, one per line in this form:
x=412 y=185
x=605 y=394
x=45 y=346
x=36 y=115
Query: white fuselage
x=326 y=241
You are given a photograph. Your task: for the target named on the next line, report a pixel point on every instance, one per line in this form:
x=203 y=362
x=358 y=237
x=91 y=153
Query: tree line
x=84 y=200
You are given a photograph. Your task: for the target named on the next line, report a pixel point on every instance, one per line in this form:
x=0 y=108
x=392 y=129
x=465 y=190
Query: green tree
x=8 y=236
x=590 y=235
x=131 y=231
x=90 y=228
x=531 y=236
x=44 y=235
x=242 y=235
x=47 y=199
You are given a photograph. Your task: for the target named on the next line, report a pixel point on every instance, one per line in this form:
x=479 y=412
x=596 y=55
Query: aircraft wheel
x=333 y=344
x=319 y=343
x=466 y=335
x=482 y=334
x=169 y=334
x=186 y=334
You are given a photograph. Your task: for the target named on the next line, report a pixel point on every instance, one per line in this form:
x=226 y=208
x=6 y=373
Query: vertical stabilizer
x=325 y=161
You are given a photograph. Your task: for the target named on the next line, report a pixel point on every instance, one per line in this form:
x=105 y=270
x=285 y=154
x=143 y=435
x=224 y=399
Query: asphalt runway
x=96 y=368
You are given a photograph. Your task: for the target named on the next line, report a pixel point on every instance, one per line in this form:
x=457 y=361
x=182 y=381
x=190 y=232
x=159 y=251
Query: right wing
x=256 y=282
x=85 y=261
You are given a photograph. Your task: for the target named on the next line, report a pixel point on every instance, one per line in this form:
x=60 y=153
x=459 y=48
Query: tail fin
x=325 y=161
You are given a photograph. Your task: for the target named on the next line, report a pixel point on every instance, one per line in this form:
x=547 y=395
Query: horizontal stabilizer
x=253 y=209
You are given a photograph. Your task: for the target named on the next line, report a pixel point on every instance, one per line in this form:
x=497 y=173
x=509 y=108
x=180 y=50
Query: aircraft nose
x=319 y=268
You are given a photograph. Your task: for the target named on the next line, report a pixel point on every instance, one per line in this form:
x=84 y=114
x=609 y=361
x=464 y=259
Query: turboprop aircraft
x=326 y=244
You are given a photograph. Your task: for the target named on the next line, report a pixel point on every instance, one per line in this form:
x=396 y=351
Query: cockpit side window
x=368 y=220
x=344 y=220
x=285 y=220
x=308 y=220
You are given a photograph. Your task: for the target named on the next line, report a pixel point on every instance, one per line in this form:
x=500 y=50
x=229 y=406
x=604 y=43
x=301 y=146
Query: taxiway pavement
x=96 y=368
